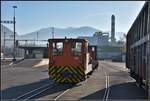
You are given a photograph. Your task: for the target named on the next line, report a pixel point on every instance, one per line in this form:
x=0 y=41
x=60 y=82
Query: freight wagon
x=138 y=46
x=71 y=60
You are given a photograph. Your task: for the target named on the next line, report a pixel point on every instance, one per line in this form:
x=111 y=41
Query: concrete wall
x=108 y=52
x=36 y=53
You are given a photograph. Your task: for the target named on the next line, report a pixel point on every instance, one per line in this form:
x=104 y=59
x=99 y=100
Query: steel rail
x=107 y=85
x=57 y=97
x=46 y=86
x=39 y=92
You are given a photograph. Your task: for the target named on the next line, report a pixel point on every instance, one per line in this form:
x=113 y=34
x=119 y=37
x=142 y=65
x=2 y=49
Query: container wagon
x=70 y=60
x=137 y=59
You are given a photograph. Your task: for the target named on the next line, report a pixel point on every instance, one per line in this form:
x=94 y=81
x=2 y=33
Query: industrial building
x=107 y=47
x=99 y=38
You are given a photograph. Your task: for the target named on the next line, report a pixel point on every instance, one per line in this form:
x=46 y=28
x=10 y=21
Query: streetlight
x=14 y=53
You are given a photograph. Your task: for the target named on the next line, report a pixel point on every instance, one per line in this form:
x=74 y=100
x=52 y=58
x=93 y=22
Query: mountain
x=46 y=33
x=69 y=32
x=8 y=36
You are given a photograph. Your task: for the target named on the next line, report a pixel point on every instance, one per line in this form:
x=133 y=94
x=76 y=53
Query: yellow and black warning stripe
x=76 y=73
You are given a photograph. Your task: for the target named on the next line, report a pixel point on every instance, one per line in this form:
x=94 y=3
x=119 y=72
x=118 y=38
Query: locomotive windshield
x=93 y=49
x=57 y=48
x=76 y=48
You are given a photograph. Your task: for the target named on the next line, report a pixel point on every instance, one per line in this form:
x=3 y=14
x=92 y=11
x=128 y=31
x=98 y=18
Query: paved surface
x=32 y=74
x=122 y=86
x=7 y=61
x=18 y=79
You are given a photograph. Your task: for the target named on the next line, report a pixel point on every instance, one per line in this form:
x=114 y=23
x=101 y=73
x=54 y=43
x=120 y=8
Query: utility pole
x=4 y=42
x=148 y=60
x=14 y=21
x=37 y=36
x=4 y=45
x=53 y=32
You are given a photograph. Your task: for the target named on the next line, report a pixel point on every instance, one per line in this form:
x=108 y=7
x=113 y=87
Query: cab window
x=76 y=48
x=93 y=49
x=57 y=48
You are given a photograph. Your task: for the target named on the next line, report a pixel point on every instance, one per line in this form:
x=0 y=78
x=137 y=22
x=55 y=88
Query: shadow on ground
x=121 y=91
x=15 y=91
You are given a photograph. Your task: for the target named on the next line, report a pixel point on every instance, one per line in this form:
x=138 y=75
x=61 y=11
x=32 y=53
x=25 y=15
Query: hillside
x=70 y=32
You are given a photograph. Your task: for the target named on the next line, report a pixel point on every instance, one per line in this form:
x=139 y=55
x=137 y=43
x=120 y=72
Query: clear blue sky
x=34 y=15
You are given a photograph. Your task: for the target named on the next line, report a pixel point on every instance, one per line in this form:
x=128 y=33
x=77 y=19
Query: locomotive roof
x=70 y=39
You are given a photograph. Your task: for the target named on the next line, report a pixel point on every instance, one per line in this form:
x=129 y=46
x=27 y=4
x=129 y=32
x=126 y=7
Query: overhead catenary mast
x=37 y=36
x=52 y=32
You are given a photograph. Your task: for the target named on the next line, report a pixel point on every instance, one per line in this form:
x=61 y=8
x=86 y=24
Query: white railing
x=32 y=43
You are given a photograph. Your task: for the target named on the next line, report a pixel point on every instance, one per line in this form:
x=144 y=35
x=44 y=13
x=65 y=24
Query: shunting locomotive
x=71 y=60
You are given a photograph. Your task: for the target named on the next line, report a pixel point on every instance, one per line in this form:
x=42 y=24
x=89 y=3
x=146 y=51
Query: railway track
x=61 y=94
x=106 y=94
x=107 y=85
x=33 y=93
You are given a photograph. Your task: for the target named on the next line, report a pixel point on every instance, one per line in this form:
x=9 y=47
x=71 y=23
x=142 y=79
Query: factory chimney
x=113 y=29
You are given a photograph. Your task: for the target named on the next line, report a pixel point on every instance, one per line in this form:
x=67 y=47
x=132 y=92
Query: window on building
x=76 y=48
x=57 y=48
